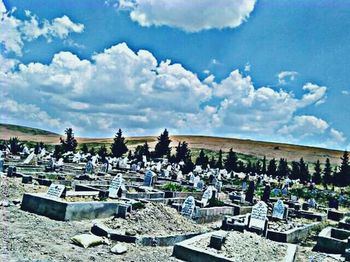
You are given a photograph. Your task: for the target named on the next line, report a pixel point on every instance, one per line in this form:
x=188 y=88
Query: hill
x=211 y=144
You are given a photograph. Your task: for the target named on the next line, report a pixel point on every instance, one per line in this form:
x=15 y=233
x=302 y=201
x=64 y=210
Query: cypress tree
x=317 y=174
x=344 y=171
x=327 y=173
x=162 y=147
x=119 y=147
x=231 y=161
x=70 y=143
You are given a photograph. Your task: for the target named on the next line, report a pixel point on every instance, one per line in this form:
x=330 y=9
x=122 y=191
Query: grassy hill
x=248 y=149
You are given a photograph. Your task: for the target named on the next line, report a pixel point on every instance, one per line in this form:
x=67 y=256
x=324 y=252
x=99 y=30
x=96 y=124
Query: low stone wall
x=291 y=236
x=59 y=209
x=209 y=214
x=333 y=240
x=343 y=224
x=184 y=251
x=101 y=230
x=335 y=215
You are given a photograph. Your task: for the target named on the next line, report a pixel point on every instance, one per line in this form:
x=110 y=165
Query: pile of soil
x=154 y=220
x=246 y=247
x=283 y=226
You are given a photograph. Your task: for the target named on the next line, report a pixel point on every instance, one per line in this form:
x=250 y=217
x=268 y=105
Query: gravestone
x=333 y=203
x=284 y=191
x=312 y=203
x=195 y=181
x=56 y=190
x=218 y=186
x=200 y=185
x=278 y=209
x=244 y=186
x=191 y=178
x=266 y=194
x=104 y=168
x=29 y=158
x=148 y=178
x=294 y=198
x=10 y=171
x=188 y=207
x=115 y=186
x=207 y=195
x=1 y=165
x=88 y=167
x=258 y=216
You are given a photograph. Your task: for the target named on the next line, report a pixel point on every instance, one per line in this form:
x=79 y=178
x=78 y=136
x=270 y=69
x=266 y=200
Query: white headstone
x=115 y=186
x=195 y=181
x=278 y=209
x=258 y=215
x=188 y=206
x=55 y=190
x=29 y=158
x=208 y=193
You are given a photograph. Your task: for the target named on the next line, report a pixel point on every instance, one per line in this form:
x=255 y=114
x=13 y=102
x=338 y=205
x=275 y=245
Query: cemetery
x=201 y=214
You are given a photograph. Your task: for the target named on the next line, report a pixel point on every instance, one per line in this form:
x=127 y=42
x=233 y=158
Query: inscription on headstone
x=258 y=215
x=278 y=209
x=188 y=207
x=55 y=190
x=115 y=186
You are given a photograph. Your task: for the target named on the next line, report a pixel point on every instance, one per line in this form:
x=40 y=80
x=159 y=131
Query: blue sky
x=267 y=70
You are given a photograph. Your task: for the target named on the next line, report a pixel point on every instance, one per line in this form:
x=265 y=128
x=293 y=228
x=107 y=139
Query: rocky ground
x=29 y=237
x=154 y=220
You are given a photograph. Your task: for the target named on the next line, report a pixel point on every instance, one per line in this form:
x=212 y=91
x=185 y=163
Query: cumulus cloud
x=14 y=32
x=123 y=88
x=286 y=76
x=190 y=16
x=345 y=92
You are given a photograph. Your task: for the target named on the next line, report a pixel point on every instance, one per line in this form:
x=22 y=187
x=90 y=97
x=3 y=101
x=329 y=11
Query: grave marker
x=188 y=207
x=115 y=186
x=278 y=209
x=88 y=167
x=148 y=178
x=207 y=195
x=56 y=190
x=1 y=165
x=258 y=215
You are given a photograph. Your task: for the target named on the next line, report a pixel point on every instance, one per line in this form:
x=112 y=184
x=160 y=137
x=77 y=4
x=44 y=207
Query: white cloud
x=345 y=92
x=190 y=16
x=122 y=88
x=286 y=76
x=337 y=136
x=14 y=32
x=247 y=67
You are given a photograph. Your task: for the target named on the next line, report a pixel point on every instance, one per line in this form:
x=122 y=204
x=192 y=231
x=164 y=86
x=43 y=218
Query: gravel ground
x=146 y=221
x=29 y=237
x=247 y=247
x=306 y=255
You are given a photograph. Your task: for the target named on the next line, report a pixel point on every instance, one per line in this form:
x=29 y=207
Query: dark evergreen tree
x=343 y=177
x=327 y=173
x=317 y=174
x=231 y=161
x=130 y=156
x=272 y=168
x=202 y=160
x=219 y=163
x=57 y=154
x=295 y=173
x=142 y=151
x=102 y=152
x=92 y=151
x=304 y=171
x=212 y=162
x=15 y=145
x=37 y=149
x=119 y=147
x=70 y=143
x=283 y=169
x=258 y=167
x=84 y=149
x=249 y=167
x=162 y=147
x=182 y=151
x=264 y=169
x=250 y=192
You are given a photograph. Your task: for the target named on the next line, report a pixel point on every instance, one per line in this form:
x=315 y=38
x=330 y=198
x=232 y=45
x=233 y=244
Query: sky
x=252 y=69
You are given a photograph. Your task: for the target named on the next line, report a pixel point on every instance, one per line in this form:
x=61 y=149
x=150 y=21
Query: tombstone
x=195 y=181
x=148 y=178
x=218 y=186
x=294 y=198
x=115 y=186
x=250 y=192
x=284 y=191
x=56 y=190
x=276 y=191
x=207 y=195
x=191 y=178
x=278 y=209
x=134 y=167
x=200 y=185
x=258 y=216
x=144 y=159
x=1 y=165
x=29 y=158
x=244 y=185
x=88 y=167
x=312 y=203
x=266 y=194
x=333 y=203
x=188 y=207
x=11 y=171
x=104 y=168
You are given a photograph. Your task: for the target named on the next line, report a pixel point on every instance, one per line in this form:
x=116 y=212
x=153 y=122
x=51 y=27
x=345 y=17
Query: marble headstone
x=115 y=186
x=148 y=178
x=56 y=190
x=278 y=209
x=258 y=215
x=188 y=206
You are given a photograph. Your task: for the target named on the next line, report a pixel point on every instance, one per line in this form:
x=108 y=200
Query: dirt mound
x=155 y=220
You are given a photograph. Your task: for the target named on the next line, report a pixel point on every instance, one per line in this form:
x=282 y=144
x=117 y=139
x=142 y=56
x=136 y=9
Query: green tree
x=162 y=147
x=57 y=154
x=272 y=168
x=343 y=177
x=295 y=172
x=264 y=169
x=202 y=160
x=102 y=152
x=37 y=149
x=142 y=150
x=283 y=169
x=119 y=147
x=212 y=162
x=15 y=145
x=70 y=143
x=327 y=173
x=231 y=161
x=304 y=171
x=317 y=174
x=219 y=163
x=92 y=151
x=85 y=149
x=182 y=151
